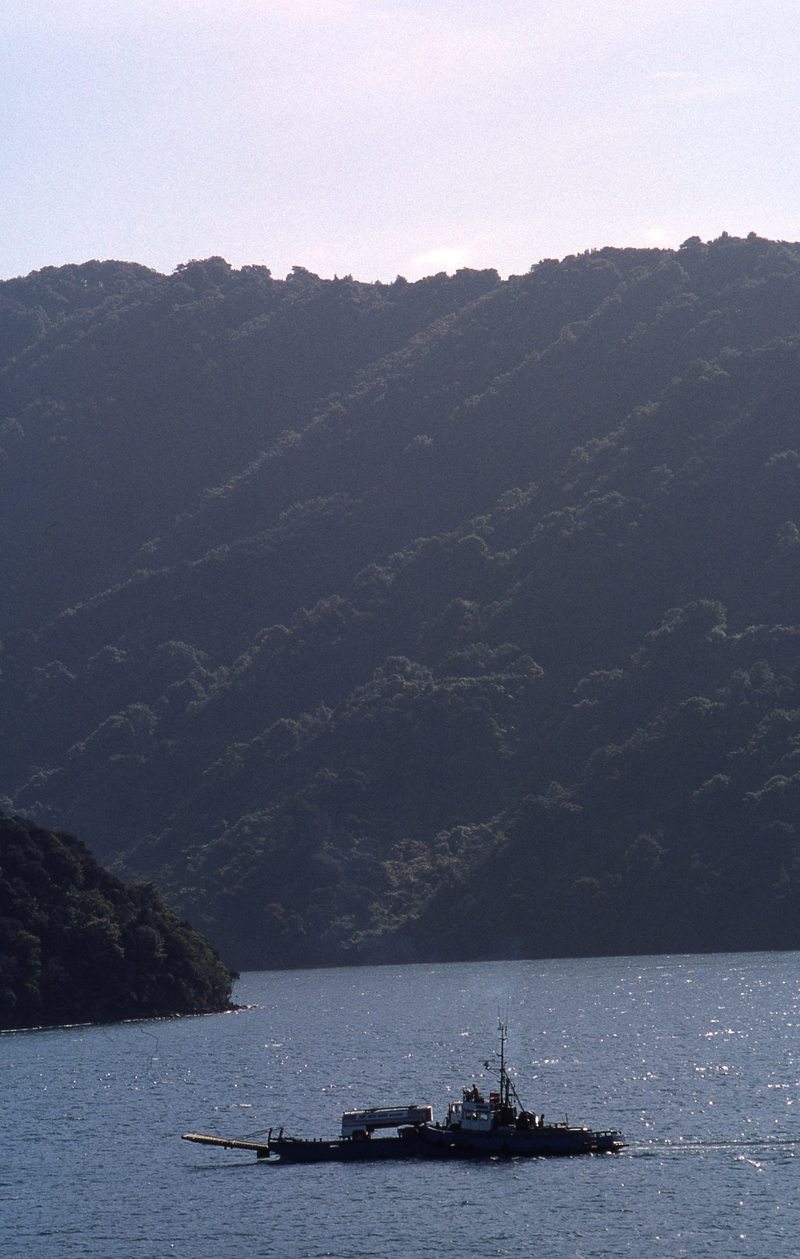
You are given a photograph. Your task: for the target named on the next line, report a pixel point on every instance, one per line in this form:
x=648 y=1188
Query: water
x=695 y=1058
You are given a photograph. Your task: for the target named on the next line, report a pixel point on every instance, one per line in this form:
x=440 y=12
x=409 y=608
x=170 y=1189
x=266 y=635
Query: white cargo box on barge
x=364 y=1122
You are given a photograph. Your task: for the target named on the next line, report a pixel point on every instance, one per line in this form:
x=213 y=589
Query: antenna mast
x=507 y=1089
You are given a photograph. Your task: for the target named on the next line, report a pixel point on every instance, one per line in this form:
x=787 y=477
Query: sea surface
x=695 y=1058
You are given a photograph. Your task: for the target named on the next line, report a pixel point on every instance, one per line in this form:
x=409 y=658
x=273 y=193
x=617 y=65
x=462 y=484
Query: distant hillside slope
x=125 y=394
x=76 y=946
x=467 y=620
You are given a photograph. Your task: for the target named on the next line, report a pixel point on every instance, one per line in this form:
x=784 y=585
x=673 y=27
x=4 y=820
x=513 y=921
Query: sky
x=391 y=137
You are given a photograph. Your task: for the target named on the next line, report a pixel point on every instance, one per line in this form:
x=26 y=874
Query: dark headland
x=446 y=620
x=77 y=946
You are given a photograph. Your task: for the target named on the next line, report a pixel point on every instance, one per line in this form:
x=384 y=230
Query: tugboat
x=503 y=1127
x=474 y=1128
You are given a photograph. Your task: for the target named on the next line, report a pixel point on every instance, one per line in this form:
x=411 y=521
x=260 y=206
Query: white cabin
x=473 y=1114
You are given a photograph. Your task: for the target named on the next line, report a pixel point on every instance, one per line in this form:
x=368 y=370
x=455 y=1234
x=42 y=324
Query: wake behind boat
x=475 y=1127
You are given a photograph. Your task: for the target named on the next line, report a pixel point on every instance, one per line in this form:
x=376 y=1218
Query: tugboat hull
x=543 y=1143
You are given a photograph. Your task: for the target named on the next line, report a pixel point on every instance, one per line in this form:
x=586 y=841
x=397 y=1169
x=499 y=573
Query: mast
x=507 y=1089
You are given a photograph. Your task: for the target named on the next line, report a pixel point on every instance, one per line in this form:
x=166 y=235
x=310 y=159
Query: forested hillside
x=437 y=620
x=77 y=946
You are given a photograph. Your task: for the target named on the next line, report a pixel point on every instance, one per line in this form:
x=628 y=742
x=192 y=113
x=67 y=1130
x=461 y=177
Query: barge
x=476 y=1127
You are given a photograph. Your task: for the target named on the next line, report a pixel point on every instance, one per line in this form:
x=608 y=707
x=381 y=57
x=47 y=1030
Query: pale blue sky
x=378 y=137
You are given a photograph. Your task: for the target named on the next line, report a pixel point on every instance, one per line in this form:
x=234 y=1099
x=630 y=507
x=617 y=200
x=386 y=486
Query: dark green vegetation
x=77 y=946
x=437 y=620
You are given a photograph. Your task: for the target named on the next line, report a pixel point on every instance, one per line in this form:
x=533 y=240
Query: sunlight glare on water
x=694 y=1058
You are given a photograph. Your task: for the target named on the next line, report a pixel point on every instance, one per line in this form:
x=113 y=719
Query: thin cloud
x=449 y=258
